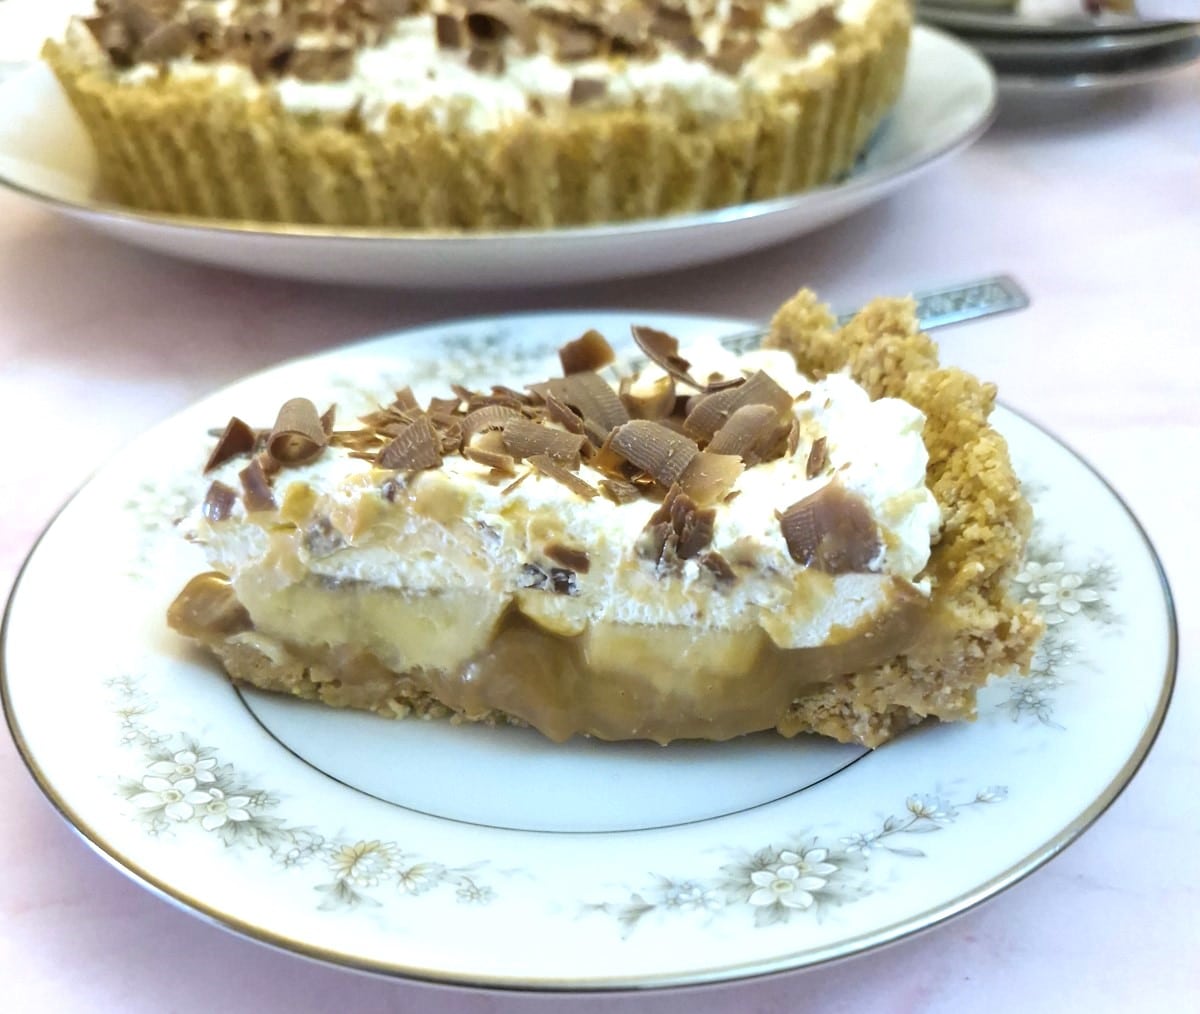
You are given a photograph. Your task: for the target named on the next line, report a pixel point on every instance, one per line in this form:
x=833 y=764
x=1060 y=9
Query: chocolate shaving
x=449 y=31
x=487 y=418
x=585 y=90
x=492 y=20
x=559 y=580
x=709 y=476
x=718 y=566
x=659 y=404
x=114 y=38
x=806 y=31
x=486 y=60
x=658 y=451
x=237 y=438
x=204 y=29
x=333 y=64
x=574 y=42
x=693 y=525
x=256 y=487
x=831 y=531
x=328 y=417
x=264 y=43
x=586 y=354
x=743 y=16
x=218 y=502
x=711 y=411
x=165 y=43
x=552 y=469
x=619 y=491
x=793 y=437
x=732 y=54
x=297 y=436
x=743 y=429
x=417 y=446
x=447 y=405
x=569 y=557
x=563 y=414
x=591 y=397
x=818 y=458
x=663 y=350
x=678 y=530
x=449 y=429
x=524 y=439
x=516 y=482
x=498 y=461
x=754 y=432
x=671 y=22
x=627 y=30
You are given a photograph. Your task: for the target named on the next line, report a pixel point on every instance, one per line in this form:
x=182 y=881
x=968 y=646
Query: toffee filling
x=611 y=682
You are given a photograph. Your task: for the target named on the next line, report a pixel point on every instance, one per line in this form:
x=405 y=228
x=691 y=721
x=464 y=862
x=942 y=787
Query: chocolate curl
x=298 y=435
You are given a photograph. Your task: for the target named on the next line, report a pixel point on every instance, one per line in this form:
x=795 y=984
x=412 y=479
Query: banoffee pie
x=813 y=536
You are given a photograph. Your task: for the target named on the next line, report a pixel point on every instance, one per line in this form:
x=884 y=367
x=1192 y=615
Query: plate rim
x=1024 y=82
x=1100 y=45
x=857 y=945
x=994 y=22
x=750 y=211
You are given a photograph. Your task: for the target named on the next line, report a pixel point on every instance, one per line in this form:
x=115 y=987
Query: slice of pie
x=816 y=536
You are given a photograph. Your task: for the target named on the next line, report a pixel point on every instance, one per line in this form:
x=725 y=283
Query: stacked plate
x=1031 y=53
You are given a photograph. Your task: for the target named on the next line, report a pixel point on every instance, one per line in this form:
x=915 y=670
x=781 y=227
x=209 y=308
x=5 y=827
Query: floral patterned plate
x=493 y=858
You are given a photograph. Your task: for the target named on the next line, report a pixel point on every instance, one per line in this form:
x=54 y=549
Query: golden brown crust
x=195 y=148
x=983 y=630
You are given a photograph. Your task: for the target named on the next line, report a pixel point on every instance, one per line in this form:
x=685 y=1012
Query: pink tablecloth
x=1096 y=209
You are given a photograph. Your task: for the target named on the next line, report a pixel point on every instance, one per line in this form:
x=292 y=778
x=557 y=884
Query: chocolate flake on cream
x=236 y=439
x=256 y=487
x=586 y=354
x=449 y=31
x=585 y=90
x=597 y=403
x=569 y=557
x=415 y=448
x=619 y=491
x=552 y=469
x=658 y=451
x=218 y=502
x=750 y=432
x=718 y=566
x=818 y=458
x=524 y=438
x=820 y=24
x=711 y=411
x=831 y=530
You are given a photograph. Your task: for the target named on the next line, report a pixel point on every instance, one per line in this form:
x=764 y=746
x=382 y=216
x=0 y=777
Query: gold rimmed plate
x=492 y=858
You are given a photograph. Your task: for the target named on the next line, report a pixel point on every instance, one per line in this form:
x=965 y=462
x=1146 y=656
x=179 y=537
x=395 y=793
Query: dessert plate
x=1050 y=76
x=948 y=14
x=1062 y=51
x=948 y=100
x=494 y=858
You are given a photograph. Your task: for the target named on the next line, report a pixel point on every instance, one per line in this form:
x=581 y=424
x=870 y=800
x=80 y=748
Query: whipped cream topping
x=408 y=69
x=442 y=530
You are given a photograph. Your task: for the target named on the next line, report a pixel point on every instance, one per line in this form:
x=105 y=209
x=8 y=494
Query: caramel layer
x=612 y=682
